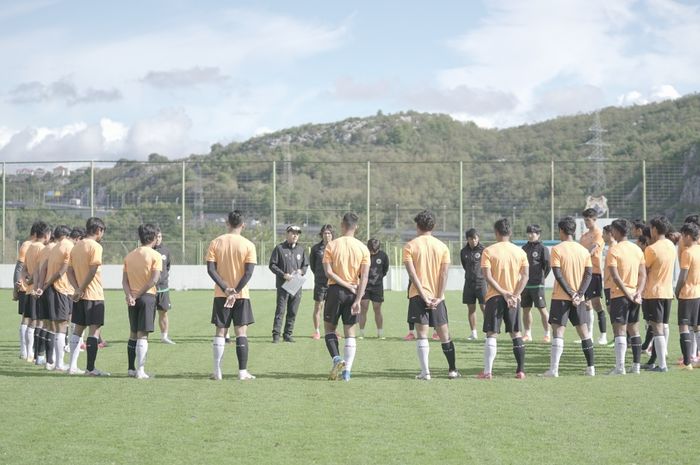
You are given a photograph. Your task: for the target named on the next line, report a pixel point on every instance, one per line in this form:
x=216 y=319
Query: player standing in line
x=538 y=259
x=592 y=240
x=659 y=258
x=231 y=259
x=163 y=304
x=573 y=269
x=607 y=280
x=320 y=278
x=474 y=283
x=694 y=219
x=625 y=262
x=142 y=267
x=58 y=291
x=346 y=263
x=20 y=291
x=34 y=335
x=45 y=304
x=505 y=268
x=85 y=275
x=378 y=268
x=688 y=293
x=427 y=261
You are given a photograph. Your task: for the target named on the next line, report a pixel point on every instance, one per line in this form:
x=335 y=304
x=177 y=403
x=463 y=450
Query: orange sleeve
x=486 y=258
x=685 y=260
x=407 y=257
x=96 y=256
x=211 y=252
x=251 y=256
x=554 y=260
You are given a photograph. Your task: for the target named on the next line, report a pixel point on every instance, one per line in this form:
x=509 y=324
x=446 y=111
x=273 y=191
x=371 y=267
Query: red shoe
x=409 y=337
x=435 y=336
x=520 y=375
x=316 y=336
x=102 y=344
x=483 y=375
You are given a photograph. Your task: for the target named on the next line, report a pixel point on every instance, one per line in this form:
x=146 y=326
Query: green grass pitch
x=291 y=414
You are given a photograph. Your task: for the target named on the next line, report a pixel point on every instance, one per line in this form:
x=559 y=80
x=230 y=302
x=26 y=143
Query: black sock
x=636 y=343
x=686 y=347
x=652 y=359
x=411 y=326
x=131 y=353
x=587 y=347
x=41 y=342
x=519 y=352
x=242 y=352
x=602 y=322
x=332 y=344
x=91 y=349
x=49 y=347
x=649 y=338
x=36 y=342
x=448 y=348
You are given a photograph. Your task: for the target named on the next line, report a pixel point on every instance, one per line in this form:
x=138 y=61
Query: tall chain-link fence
x=190 y=200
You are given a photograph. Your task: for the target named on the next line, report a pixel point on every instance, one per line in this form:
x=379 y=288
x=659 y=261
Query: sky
x=86 y=80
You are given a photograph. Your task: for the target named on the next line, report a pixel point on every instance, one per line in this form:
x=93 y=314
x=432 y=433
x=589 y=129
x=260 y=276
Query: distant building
x=61 y=171
x=39 y=172
x=25 y=172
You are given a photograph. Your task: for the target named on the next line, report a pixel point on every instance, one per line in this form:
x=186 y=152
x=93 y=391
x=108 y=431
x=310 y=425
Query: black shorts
x=31 y=308
x=89 y=313
x=320 y=291
x=472 y=293
x=375 y=294
x=656 y=310
x=562 y=311
x=606 y=292
x=497 y=311
x=533 y=297
x=595 y=287
x=163 y=301
x=62 y=307
x=21 y=302
x=240 y=315
x=623 y=311
x=418 y=313
x=43 y=307
x=143 y=314
x=339 y=302
x=688 y=310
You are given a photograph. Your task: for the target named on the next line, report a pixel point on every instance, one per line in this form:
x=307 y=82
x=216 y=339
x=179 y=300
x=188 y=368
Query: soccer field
x=292 y=414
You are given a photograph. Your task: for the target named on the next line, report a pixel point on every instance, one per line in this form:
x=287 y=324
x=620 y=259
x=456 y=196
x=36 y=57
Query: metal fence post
x=644 y=190
x=551 y=198
x=92 y=188
x=368 y=207
x=4 y=218
x=182 y=215
x=461 y=198
x=274 y=202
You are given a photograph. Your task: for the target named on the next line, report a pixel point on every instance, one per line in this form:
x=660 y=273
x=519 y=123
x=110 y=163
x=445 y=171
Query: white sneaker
x=76 y=371
x=97 y=372
x=50 y=366
x=62 y=368
x=423 y=376
x=550 y=374
x=635 y=369
x=616 y=371
x=215 y=376
x=590 y=371
x=472 y=337
x=603 y=340
x=131 y=373
x=454 y=374
x=245 y=376
x=41 y=360
x=142 y=375
x=167 y=340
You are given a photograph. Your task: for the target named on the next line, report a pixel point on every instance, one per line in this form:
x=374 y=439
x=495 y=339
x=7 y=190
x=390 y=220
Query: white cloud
x=61 y=90
x=655 y=94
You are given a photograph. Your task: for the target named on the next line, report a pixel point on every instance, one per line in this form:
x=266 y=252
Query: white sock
x=660 y=346
x=666 y=332
x=59 y=350
x=74 y=351
x=555 y=355
x=362 y=333
x=546 y=333
x=141 y=351
x=528 y=333
x=592 y=317
x=473 y=333
x=218 y=349
x=164 y=335
x=380 y=332
x=22 y=344
x=349 y=352
x=423 y=350
x=318 y=331
x=693 y=345
x=29 y=341
x=490 y=349
x=620 y=349
x=694 y=349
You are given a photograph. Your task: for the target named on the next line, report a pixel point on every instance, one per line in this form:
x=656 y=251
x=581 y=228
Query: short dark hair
x=567 y=225
x=77 y=233
x=638 y=224
x=621 y=225
x=590 y=213
x=692 y=230
x=40 y=228
x=643 y=240
x=235 y=218
x=93 y=225
x=147 y=233
x=350 y=220
x=61 y=231
x=326 y=227
x=502 y=227
x=695 y=219
x=661 y=224
x=646 y=232
x=425 y=220
x=533 y=228
x=470 y=233
x=607 y=229
x=373 y=245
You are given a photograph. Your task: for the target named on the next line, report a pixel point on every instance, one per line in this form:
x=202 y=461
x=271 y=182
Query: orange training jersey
x=31 y=260
x=87 y=253
x=572 y=259
x=589 y=239
x=691 y=261
x=139 y=264
x=21 y=254
x=506 y=261
x=231 y=252
x=346 y=256
x=626 y=256
x=59 y=256
x=660 y=258
x=428 y=254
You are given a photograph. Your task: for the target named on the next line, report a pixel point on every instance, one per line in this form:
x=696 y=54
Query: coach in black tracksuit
x=533 y=294
x=474 y=282
x=287 y=258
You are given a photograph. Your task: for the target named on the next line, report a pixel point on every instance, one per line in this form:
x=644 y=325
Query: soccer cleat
x=648 y=366
x=167 y=340
x=527 y=338
x=635 y=369
x=75 y=371
x=131 y=373
x=338 y=366
x=40 y=360
x=616 y=371
x=409 y=337
x=520 y=375
x=275 y=338
x=687 y=367
x=30 y=359
x=659 y=370
x=550 y=374
x=454 y=374
x=590 y=371
x=472 y=338
x=142 y=375
x=435 y=336
x=95 y=372
x=423 y=376
x=50 y=366
x=546 y=339
x=215 y=376
x=345 y=375
x=483 y=375
x=381 y=337
x=103 y=344
x=289 y=339
x=603 y=340
x=62 y=368
x=245 y=376
x=316 y=336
